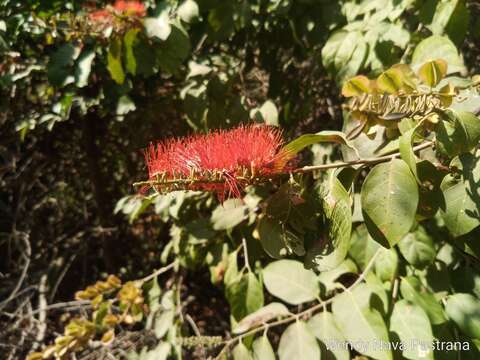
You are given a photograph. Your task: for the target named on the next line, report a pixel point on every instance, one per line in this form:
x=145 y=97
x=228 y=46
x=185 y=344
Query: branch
x=293 y=317
x=157 y=272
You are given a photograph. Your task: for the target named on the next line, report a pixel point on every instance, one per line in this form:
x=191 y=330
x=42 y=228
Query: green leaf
x=270 y=233
x=417 y=248
x=359 y=323
x=406 y=148
x=84 y=67
x=262 y=315
x=338 y=218
x=125 y=105
x=129 y=41
x=410 y=323
x=325 y=329
x=303 y=141
x=188 y=11
x=389 y=202
x=262 y=349
x=356 y=86
x=291 y=282
x=297 y=342
x=464 y=310
x=432 y=72
x=451 y=18
x=412 y=290
x=362 y=247
x=229 y=214
x=172 y=52
x=438 y=47
x=158 y=27
x=462 y=199
x=60 y=63
x=328 y=278
x=386 y=264
x=114 y=57
x=390 y=81
x=160 y=352
x=245 y=296
x=269 y=113
x=240 y=352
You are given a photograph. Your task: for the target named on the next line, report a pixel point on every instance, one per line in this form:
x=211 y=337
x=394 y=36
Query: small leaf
x=417 y=248
x=386 y=264
x=270 y=234
x=240 y=352
x=464 y=310
x=229 y=214
x=188 y=11
x=389 y=202
x=262 y=315
x=290 y=281
x=390 y=81
x=158 y=27
x=303 y=141
x=297 y=342
x=84 y=67
x=269 y=113
x=433 y=72
x=356 y=86
x=245 y=296
x=262 y=349
x=114 y=57
x=438 y=47
x=325 y=329
x=410 y=323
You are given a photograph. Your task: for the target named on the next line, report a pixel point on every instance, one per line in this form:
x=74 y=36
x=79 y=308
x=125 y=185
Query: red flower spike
x=224 y=161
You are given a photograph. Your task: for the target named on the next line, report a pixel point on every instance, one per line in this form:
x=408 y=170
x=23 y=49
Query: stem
x=296 y=316
x=157 y=272
x=245 y=254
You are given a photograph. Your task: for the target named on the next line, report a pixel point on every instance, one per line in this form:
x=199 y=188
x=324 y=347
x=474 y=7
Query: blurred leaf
x=240 y=352
x=115 y=66
x=159 y=26
x=412 y=290
x=410 y=323
x=389 y=202
x=261 y=316
x=269 y=113
x=325 y=329
x=290 y=281
x=245 y=296
x=188 y=11
x=360 y=324
x=262 y=349
x=270 y=234
x=417 y=248
x=432 y=72
x=464 y=310
x=386 y=264
x=84 y=67
x=438 y=47
x=229 y=214
x=356 y=86
x=59 y=69
x=297 y=342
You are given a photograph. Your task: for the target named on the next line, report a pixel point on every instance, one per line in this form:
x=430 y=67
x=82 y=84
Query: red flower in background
x=224 y=161
x=135 y=8
x=120 y=7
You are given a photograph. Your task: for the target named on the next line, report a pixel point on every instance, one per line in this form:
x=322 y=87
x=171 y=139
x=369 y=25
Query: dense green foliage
x=373 y=241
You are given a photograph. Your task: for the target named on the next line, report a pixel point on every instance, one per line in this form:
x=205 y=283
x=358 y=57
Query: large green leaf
x=389 y=202
x=451 y=18
x=360 y=323
x=386 y=264
x=410 y=323
x=297 y=342
x=438 y=47
x=270 y=233
x=325 y=329
x=462 y=196
x=328 y=278
x=290 y=281
x=464 y=310
x=362 y=247
x=303 y=141
x=262 y=349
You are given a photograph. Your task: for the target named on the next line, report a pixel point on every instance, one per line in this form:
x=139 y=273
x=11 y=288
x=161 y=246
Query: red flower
x=224 y=161
x=135 y=8
x=100 y=16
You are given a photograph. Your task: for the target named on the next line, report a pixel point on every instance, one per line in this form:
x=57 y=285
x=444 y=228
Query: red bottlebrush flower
x=135 y=8
x=224 y=161
x=100 y=16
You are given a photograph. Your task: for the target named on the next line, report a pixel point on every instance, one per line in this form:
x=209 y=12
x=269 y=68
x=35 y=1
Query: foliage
x=370 y=241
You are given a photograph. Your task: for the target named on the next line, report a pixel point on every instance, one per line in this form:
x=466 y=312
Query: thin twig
x=307 y=312
x=158 y=272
